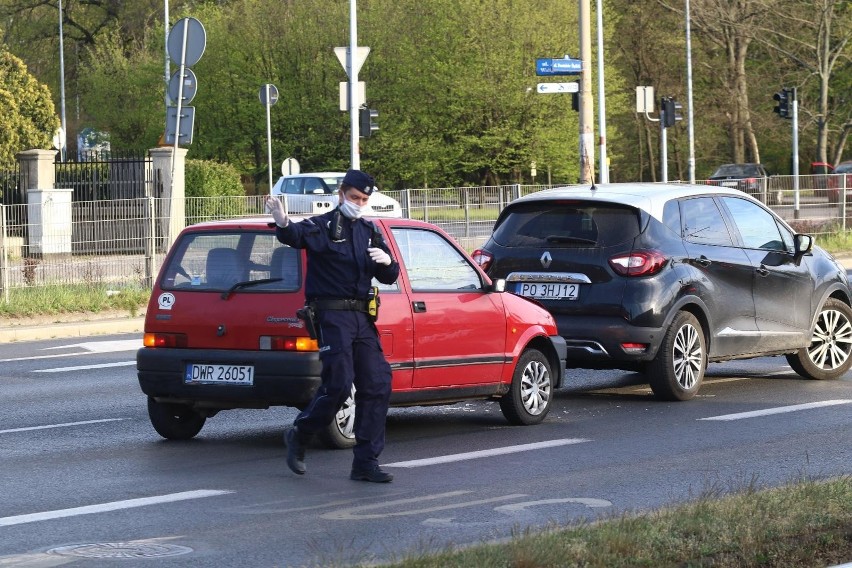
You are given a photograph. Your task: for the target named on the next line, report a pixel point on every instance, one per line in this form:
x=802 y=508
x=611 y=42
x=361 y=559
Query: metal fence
x=123 y=241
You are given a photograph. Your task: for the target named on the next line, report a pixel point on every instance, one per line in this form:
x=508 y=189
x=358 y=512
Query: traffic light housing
x=367 y=121
x=783 y=106
x=670 y=108
x=575 y=102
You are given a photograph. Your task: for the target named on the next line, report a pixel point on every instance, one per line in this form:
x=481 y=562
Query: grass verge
x=803 y=524
x=73 y=298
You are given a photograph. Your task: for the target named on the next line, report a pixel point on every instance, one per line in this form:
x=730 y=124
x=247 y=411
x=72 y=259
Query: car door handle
x=703 y=261
x=419 y=307
x=762 y=271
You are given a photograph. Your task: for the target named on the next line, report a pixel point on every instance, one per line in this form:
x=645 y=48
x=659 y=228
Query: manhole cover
x=121 y=550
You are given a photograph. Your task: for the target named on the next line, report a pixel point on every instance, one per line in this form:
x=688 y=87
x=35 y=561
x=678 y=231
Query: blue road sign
x=558 y=66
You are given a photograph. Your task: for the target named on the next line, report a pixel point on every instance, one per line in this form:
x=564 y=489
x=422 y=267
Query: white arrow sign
x=361 y=54
x=572 y=87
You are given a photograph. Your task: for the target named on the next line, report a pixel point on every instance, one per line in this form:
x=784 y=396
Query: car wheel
x=829 y=355
x=174 y=421
x=531 y=391
x=678 y=369
x=340 y=434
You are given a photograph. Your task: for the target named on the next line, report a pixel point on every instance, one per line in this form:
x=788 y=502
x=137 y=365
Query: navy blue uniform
x=349 y=345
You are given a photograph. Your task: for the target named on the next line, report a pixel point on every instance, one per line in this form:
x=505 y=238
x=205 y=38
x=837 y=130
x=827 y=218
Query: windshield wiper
x=567 y=239
x=247 y=284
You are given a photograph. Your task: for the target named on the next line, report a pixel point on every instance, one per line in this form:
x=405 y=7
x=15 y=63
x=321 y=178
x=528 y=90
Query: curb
x=10 y=334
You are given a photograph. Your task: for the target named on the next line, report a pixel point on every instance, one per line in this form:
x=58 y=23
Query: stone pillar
x=38 y=169
x=172 y=209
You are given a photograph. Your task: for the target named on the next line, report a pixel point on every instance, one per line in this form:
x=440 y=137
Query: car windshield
x=741 y=170
x=843 y=169
x=569 y=224
x=217 y=261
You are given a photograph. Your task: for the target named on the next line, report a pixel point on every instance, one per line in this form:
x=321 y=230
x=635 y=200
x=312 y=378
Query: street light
x=63 y=135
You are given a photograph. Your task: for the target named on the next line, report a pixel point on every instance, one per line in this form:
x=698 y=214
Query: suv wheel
x=531 y=392
x=174 y=421
x=340 y=434
x=829 y=355
x=678 y=369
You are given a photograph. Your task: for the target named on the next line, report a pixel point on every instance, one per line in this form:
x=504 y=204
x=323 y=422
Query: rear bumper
x=596 y=342
x=280 y=378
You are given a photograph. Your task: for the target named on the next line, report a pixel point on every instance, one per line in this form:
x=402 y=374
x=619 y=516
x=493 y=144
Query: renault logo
x=546 y=259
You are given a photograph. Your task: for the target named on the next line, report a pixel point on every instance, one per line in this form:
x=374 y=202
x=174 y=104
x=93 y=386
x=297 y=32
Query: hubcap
x=831 y=341
x=345 y=417
x=535 y=388
x=687 y=357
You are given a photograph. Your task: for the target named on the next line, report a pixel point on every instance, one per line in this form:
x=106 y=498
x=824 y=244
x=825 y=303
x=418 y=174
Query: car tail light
x=285 y=343
x=634 y=348
x=638 y=263
x=164 y=340
x=483 y=258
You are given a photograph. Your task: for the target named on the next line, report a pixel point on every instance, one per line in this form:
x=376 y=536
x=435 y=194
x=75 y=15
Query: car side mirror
x=498 y=285
x=802 y=244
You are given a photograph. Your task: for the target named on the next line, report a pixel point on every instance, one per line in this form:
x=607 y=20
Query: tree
x=27 y=113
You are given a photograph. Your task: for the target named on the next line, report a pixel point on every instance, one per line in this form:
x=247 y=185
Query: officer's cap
x=359 y=180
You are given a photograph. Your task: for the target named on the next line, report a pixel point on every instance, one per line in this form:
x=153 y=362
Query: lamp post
x=690 y=125
x=604 y=167
x=63 y=135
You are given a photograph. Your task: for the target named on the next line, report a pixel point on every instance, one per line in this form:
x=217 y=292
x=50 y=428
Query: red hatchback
x=221 y=330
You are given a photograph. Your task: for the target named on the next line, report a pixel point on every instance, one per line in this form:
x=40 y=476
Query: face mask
x=353 y=211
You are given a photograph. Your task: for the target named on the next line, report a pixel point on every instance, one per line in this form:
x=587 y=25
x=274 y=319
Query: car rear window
x=217 y=261
x=575 y=224
x=742 y=170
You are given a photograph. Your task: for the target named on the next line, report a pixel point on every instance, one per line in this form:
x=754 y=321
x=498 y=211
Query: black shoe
x=295 y=451
x=375 y=475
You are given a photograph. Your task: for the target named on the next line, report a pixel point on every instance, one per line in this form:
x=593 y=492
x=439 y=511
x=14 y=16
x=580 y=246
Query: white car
x=316 y=193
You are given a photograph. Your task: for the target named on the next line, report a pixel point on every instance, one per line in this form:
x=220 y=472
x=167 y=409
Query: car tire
x=174 y=421
x=340 y=433
x=829 y=355
x=531 y=392
x=677 y=371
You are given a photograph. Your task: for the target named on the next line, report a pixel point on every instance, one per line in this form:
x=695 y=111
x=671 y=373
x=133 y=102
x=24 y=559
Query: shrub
x=213 y=191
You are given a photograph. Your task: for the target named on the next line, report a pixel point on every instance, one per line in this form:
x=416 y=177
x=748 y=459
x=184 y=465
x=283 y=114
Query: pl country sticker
x=166 y=301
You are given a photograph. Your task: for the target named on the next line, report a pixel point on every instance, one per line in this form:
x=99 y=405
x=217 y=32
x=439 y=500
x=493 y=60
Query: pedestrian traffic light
x=367 y=121
x=670 y=108
x=575 y=102
x=783 y=106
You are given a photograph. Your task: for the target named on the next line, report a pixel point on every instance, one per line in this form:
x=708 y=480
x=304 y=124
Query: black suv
x=664 y=278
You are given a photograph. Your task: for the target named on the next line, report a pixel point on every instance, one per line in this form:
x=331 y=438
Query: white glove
x=276 y=208
x=379 y=256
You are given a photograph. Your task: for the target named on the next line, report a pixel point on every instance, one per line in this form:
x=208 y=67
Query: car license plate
x=206 y=374
x=730 y=183
x=549 y=290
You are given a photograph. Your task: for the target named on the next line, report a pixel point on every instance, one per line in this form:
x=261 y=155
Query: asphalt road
x=86 y=480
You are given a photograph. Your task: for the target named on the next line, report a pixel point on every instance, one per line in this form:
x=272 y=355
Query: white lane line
x=487 y=453
x=66 y=424
x=108 y=346
x=85 y=367
x=112 y=506
x=36 y=357
x=778 y=410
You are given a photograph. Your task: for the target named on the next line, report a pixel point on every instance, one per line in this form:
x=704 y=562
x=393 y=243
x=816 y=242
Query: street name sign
x=548 y=66
x=572 y=87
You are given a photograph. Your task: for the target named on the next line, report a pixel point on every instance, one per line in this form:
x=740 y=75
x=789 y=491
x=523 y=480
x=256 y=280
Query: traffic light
x=670 y=108
x=367 y=121
x=783 y=106
x=575 y=102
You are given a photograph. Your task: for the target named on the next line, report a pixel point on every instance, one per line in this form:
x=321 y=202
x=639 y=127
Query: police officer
x=344 y=253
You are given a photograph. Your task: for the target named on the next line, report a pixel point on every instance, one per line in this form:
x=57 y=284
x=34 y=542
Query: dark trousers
x=351 y=354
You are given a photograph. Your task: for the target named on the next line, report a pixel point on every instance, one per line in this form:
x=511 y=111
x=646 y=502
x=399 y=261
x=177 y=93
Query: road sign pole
x=793 y=97
x=180 y=95
x=352 y=72
x=269 y=135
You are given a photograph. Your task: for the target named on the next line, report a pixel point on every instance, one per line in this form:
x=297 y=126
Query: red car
x=842 y=175
x=221 y=330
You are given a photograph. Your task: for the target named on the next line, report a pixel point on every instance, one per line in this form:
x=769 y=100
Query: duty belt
x=349 y=304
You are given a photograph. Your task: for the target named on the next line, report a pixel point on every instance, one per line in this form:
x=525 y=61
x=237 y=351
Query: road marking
x=488 y=453
x=112 y=506
x=109 y=346
x=356 y=513
x=27 y=429
x=518 y=507
x=778 y=410
x=85 y=367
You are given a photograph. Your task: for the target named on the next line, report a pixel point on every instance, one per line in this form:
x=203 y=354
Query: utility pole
x=587 y=135
x=604 y=168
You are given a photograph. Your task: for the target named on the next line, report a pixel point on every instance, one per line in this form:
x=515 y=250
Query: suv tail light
x=638 y=263
x=483 y=258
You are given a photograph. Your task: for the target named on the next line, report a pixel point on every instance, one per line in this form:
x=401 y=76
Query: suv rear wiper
x=567 y=239
x=247 y=284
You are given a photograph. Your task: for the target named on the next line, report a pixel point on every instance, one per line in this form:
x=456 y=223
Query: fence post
x=426 y=205
x=150 y=240
x=406 y=203
x=843 y=203
x=4 y=254
x=517 y=190
x=466 y=191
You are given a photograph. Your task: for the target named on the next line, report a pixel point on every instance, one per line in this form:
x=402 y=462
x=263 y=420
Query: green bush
x=213 y=191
